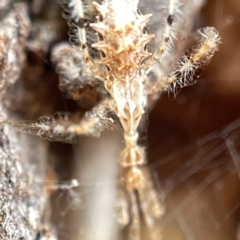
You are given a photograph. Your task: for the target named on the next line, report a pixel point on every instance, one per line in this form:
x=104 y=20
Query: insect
x=121 y=71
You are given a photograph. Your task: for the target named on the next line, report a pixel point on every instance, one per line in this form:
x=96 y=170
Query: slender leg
x=151 y=206
x=122 y=204
x=74 y=14
x=148 y=217
x=134 y=230
x=67 y=128
x=166 y=42
x=188 y=64
x=140 y=186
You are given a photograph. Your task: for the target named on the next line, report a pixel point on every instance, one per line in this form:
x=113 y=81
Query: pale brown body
x=123 y=69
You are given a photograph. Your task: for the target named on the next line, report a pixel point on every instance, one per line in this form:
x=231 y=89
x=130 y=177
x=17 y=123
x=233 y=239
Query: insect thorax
x=124 y=40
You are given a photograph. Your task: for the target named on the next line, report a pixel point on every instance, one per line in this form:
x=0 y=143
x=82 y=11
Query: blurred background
x=205 y=205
